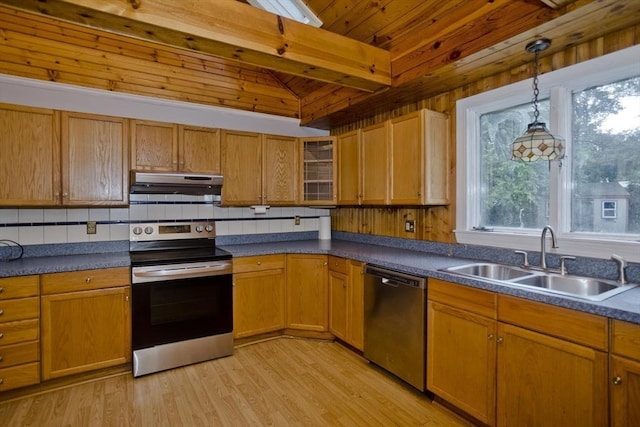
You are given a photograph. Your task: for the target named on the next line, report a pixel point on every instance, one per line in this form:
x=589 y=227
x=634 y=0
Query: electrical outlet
x=296 y=220
x=409 y=226
x=92 y=227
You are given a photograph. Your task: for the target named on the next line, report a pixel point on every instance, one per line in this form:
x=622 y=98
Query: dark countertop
x=624 y=306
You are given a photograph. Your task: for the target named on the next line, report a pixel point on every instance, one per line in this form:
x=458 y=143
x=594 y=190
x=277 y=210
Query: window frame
x=558 y=86
x=613 y=210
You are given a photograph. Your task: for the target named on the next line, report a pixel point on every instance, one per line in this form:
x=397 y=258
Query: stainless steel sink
x=489 y=271
x=575 y=286
x=583 y=287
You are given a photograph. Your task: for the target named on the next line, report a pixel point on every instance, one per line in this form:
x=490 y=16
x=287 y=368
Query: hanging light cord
x=536 y=91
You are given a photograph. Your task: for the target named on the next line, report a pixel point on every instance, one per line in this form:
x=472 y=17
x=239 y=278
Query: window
x=591 y=198
x=609 y=209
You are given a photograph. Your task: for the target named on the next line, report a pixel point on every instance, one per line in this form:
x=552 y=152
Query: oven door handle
x=184 y=272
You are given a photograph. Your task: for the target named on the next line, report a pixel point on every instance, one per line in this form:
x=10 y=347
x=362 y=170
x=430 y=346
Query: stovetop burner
x=173 y=243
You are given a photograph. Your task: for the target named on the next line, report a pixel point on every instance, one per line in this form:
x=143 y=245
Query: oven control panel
x=171 y=231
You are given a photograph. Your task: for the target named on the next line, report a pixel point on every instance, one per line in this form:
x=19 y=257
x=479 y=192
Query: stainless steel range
x=182 y=296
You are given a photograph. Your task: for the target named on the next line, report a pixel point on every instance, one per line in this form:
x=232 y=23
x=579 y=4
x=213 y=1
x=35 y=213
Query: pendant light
x=537 y=143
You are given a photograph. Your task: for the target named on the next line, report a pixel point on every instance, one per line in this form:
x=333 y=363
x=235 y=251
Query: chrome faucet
x=543 y=249
x=622 y=264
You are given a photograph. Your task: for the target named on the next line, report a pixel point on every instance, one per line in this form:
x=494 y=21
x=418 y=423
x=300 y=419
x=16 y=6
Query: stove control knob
x=148 y=230
x=199 y=229
x=209 y=228
x=137 y=231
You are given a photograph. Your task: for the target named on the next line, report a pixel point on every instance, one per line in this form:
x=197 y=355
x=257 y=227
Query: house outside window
x=609 y=209
x=591 y=197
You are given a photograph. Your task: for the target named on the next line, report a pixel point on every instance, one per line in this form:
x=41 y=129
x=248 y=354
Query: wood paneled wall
x=437 y=223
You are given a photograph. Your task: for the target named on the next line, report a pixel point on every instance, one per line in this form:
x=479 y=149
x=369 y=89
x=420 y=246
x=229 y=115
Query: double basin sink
x=575 y=286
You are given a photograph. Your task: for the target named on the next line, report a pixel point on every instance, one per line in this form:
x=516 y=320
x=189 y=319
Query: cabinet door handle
x=499 y=340
x=490 y=336
x=617 y=380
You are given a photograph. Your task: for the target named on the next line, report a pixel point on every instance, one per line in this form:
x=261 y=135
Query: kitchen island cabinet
x=86 y=321
x=30 y=160
x=548 y=364
x=19 y=332
x=258 y=295
x=624 y=382
x=307 y=292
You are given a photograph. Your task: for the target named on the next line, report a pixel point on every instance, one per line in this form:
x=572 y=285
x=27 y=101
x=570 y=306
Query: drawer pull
x=1 y=290
x=1 y=358
x=87 y=280
x=1 y=335
x=1 y=380
x=1 y=312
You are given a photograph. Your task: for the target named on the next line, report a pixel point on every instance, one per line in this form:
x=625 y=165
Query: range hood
x=196 y=184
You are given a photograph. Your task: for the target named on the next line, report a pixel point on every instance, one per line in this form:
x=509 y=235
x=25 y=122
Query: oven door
x=179 y=302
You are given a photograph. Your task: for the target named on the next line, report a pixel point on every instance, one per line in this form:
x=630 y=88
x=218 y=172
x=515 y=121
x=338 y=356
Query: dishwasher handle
x=395 y=278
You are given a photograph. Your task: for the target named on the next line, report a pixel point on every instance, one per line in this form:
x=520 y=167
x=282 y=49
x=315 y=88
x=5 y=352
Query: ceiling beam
x=232 y=30
x=589 y=19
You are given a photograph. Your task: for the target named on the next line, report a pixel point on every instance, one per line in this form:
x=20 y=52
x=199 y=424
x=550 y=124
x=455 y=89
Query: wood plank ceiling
x=368 y=57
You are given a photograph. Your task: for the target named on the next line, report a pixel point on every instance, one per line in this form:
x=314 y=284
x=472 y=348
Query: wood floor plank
x=278 y=382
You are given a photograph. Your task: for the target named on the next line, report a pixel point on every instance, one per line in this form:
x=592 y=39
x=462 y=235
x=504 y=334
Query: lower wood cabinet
x=461 y=347
x=532 y=364
x=258 y=295
x=86 y=321
x=346 y=300
x=624 y=375
x=19 y=332
x=307 y=292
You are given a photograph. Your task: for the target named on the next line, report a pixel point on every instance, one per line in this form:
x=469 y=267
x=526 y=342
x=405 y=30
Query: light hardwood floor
x=278 y=382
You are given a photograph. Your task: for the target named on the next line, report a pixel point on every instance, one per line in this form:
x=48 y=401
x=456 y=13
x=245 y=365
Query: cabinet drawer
x=338 y=264
x=571 y=325
x=258 y=263
x=19 y=309
x=625 y=339
x=20 y=331
x=56 y=283
x=19 y=376
x=477 y=301
x=19 y=287
x=17 y=354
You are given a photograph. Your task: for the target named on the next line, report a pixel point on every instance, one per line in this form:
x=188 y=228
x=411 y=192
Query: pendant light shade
x=537 y=143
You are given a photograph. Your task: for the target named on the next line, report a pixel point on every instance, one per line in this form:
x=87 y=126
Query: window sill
x=585 y=246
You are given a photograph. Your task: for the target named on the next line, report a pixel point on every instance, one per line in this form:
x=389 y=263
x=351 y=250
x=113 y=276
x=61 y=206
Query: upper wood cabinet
x=168 y=147
x=348 y=168
x=95 y=158
x=199 y=149
x=318 y=171
x=259 y=169
x=375 y=164
x=418 y=159
x=402 y=161
x=30 y=156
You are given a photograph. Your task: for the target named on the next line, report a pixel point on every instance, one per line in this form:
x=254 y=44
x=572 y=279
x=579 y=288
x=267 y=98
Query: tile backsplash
x=52 y=226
